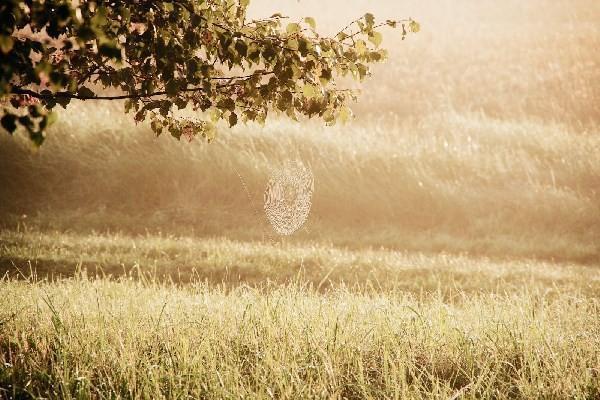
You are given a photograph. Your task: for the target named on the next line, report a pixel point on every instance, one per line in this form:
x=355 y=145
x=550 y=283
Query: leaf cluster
x=164 y=56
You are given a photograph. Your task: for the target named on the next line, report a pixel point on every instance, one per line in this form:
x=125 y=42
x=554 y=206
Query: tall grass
x=96 y=339
x=448 y=181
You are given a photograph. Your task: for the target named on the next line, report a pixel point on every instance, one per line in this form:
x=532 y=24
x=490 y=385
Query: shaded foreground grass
x=232 y=263
x=83 y=338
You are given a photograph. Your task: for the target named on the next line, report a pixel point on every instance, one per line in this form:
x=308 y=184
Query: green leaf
x=233 y=119
x=63 y=101
x=63 y=12
x=241 y=47
x=37 y=137
x=292 y=28
x=414 y=26
x=345 y=114
x=172 y=88
x=51 y=118
x=309 y=91
x=269 y=53
x=376 y=38
x=341 y=36
x=110 y=50
x=9 y=122
x=165 y=107
x=311 y=22
x=99 y=19
x=226 y=104
x=292 y=44
x=6 y=43
x=361 y=46
x=156 y=127
x=85 y=92
x=170 y=46
x=128 y=105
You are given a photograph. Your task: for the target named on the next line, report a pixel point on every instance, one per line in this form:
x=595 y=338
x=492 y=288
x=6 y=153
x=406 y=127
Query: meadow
x=452 y=249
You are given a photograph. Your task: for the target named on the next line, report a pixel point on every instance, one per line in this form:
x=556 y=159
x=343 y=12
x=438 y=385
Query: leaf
x=63 y=12
x=6 y=43
x=51 y=118
x=172 y=46
x=226 y=104
x=165 y=107
x=309 y=91
x=9 y=122
x=414 y=26
x=376 y=38
x=110 y=50
x=269 y=53
x=36 y=137
x=156 y=127
x=233 y=119
x=241 y=47
x=311 y=21
x=85 y=92
x=341 y=36
x=292 y=28
x=129 y=105
x=361 y=46
x=63 y=101
x=99 y=19
x=172 y=87
x=292 y=44
x=345 y=114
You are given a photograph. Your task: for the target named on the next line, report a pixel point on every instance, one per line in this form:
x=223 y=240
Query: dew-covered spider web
x=287 y=197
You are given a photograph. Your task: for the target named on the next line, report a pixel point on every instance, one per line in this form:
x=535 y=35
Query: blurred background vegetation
x=480 y=134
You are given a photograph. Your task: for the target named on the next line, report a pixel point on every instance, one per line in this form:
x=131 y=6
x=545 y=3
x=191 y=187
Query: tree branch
x=44 y=96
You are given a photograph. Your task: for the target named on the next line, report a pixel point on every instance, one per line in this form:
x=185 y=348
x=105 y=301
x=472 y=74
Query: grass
x=85 y=338
x=447 y=183
x=232 y=263
x=116 y=316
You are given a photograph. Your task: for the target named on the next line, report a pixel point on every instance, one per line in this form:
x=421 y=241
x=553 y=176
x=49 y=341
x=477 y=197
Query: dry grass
x=99 y=339
x=232 y=263
x=447 y=182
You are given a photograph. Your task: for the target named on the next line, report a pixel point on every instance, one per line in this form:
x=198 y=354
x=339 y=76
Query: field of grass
x=163 y=317
x=452 y=249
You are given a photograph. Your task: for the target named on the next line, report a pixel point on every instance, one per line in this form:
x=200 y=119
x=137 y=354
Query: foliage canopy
x=164 y=56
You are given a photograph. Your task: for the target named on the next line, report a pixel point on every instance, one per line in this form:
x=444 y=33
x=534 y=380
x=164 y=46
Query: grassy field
x=164 y=317
x=452 y=250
